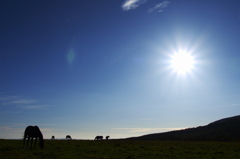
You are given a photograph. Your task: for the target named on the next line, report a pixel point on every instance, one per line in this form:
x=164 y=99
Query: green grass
x=120 y=149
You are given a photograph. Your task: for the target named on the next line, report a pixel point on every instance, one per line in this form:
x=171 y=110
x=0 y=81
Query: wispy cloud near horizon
x=159 y=7
x=137 y=130
x=7 y=130
x=132 y=4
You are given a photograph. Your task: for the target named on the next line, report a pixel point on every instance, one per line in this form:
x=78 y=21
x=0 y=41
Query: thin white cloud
x=5 y=98
x=20 y=102
x=132 y=4
x=33 y=107
x=159 y=7
x=235 y=105
x=145 y=119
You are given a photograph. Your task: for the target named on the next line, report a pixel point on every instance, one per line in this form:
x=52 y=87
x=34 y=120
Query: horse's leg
x=24 y=141
x=28 y=141
x=35 y=142
x=31 y=141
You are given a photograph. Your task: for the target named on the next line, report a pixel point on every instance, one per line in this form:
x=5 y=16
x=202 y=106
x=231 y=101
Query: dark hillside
x=227 y=129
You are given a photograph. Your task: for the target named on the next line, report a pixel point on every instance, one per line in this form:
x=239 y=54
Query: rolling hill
x=227 y=129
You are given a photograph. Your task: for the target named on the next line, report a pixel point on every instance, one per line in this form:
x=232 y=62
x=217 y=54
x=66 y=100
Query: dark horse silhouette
x=32 y=132
x=98 y=138
x=69 y=137
x=107 y=137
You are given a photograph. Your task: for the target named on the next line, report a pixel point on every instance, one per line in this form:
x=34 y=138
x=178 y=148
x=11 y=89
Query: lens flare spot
x=71 y=56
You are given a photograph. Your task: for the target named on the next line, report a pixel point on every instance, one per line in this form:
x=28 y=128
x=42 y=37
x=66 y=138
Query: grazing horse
x=98 y=138
x=69 y=137
x=30 y=133
x=107 y=137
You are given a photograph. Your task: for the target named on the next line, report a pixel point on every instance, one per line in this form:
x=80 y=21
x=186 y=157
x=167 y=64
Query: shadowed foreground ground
x=119 y=149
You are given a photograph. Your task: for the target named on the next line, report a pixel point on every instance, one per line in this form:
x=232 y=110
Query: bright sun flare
x=182 y=62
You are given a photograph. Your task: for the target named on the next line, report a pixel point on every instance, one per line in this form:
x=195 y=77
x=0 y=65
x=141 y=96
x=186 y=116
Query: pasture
x=120 y=149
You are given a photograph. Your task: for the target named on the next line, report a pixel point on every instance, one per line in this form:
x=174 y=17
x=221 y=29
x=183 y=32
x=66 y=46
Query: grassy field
x=120 y=149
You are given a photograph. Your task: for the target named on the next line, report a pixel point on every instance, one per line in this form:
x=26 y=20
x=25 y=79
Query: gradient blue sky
x=101 y=67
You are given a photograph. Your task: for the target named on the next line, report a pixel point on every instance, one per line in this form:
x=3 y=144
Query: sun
x=182 y=62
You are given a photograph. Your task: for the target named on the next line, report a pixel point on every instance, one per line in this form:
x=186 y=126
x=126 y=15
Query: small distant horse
x=69 y=137
x=30 y=133
x=53 y=138
x=107 y=137
x=98 y=138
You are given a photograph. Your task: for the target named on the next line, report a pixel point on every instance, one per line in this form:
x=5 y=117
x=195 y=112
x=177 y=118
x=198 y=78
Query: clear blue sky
x=101 y=67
